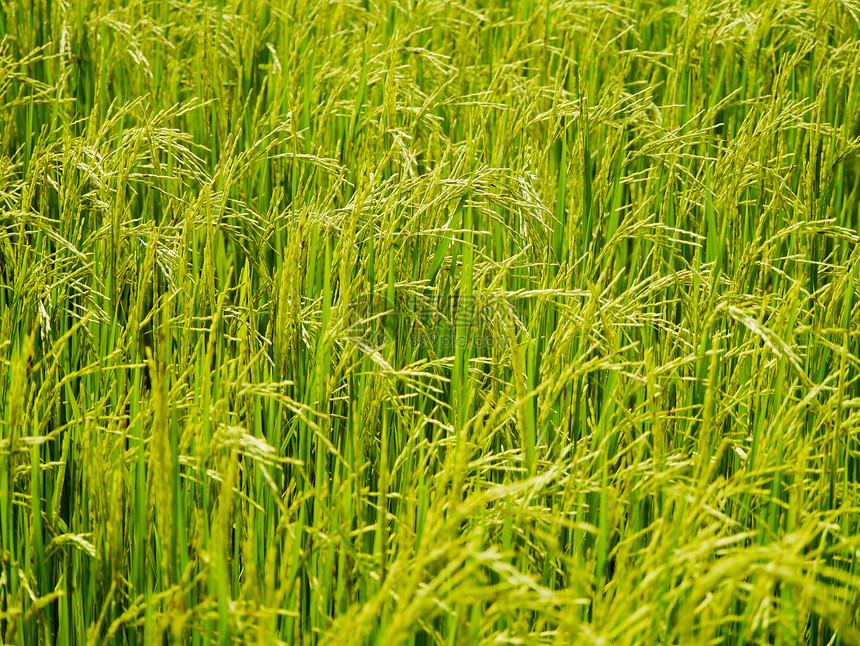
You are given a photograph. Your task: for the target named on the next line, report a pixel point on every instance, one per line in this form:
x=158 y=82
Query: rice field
x=429 y=322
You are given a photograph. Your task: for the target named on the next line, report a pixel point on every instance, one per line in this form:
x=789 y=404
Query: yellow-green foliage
x=429 y=322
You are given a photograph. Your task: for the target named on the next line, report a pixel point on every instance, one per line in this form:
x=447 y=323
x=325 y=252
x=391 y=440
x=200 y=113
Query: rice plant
x=429 y=322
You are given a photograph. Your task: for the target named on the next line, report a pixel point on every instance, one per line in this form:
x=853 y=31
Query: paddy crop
x=429 y=322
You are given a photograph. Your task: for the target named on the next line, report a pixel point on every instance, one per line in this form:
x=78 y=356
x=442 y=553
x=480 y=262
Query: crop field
x=429 y=322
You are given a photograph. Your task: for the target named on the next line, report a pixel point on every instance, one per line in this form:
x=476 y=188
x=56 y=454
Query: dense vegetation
x=429 y=322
